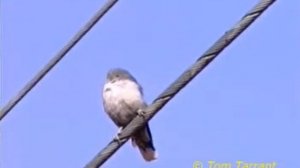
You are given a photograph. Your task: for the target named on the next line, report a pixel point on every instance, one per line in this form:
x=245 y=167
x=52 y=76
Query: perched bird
x=122 y=98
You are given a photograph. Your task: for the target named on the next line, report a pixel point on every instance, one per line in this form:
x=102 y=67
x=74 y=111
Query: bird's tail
x=143 y=140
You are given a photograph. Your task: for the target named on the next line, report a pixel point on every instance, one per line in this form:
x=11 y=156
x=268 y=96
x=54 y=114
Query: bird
x=122 y=99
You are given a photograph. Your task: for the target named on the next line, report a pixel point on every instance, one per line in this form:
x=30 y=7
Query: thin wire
x=179 y=83
x=9 y=106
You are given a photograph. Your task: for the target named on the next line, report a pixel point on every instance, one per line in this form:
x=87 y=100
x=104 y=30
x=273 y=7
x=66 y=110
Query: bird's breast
x=122 y=91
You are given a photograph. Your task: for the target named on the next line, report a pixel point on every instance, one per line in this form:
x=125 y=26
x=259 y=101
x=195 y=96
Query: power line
x=179 y=83
x=105 y=8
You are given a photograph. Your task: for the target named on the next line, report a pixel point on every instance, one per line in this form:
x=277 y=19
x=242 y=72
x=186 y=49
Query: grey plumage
x=122 y=97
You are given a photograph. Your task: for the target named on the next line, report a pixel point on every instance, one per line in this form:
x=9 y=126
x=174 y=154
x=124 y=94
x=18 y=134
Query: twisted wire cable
x=39 y=76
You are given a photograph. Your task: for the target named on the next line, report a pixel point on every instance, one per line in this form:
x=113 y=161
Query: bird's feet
x=141 y=113
x=117 y=137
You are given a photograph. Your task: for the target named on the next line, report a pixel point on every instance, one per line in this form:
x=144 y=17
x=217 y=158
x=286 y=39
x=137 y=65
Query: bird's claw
x=141 y=112
x=117 y=138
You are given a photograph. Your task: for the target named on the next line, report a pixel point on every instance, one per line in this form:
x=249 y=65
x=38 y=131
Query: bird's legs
x=120 y=130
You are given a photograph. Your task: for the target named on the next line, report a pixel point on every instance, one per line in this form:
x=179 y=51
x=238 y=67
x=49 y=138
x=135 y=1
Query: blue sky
x=243 y=106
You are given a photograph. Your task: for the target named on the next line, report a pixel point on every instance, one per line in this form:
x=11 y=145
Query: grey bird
x=122 y=98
